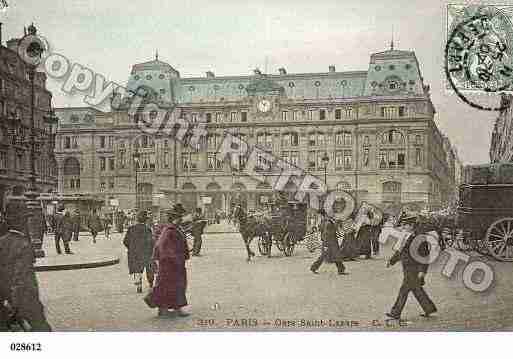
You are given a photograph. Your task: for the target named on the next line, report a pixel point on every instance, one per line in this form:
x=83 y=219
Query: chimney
x=257 y=71
x=210 y=74
x=282 y=71
x=332 y=68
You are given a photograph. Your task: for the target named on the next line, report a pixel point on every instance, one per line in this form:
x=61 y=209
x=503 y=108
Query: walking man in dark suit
x=330 y=251
x=62 y=231
x=414 y=271
x=198 y=225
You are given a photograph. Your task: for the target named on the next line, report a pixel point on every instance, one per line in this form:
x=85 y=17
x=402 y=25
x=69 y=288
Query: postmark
x=479 y=54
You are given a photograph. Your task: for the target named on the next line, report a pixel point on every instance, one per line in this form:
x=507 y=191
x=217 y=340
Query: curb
x=73 y=266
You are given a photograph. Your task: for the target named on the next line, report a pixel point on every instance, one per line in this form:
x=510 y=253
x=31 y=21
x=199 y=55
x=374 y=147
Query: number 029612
x=26 y=347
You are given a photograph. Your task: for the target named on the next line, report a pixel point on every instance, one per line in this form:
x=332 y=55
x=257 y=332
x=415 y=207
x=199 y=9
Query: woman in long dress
x=170 y=253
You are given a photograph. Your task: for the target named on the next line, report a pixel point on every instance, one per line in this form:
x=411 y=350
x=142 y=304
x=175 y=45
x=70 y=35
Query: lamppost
x=136 y=155
x=34 y=52
x=325 y=159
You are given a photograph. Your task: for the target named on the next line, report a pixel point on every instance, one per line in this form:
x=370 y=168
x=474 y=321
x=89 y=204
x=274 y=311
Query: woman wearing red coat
x=170 y=253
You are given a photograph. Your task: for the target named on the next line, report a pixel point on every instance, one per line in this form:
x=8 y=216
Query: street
x=280 y=293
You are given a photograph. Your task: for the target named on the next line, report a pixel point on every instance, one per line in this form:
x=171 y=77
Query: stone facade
x=375 y=126
x=15 y=127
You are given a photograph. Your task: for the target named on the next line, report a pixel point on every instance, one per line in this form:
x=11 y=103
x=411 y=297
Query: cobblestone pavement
x=225 y=292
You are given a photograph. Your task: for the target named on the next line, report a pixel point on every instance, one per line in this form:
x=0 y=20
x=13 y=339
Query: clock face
x=264 y=106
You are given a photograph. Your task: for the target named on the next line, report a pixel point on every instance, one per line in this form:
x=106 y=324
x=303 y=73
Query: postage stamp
x=479 y=53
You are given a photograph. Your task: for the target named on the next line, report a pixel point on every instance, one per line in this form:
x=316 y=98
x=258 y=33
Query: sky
x=232 y=37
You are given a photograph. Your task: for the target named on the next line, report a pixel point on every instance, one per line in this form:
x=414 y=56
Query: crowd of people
x=160 y=251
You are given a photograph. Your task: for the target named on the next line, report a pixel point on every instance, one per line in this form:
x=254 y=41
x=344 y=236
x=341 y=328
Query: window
x=389 y=112
x=165 y=159
x=349 y=112
x=194 y=117
x=122 y=162
x=312 y=159
x=418 y=139
x=74 y=142
x=365 y=157
x=322 y=114
x=338 y=114
x=102 y=141
x=263 y=164
x=366 y=141
x=102 y=163
x=244 y=116
x=295 y=115
x=265 y=140
x=111 y=141
x=321 y=139
x=3 y=160
x=382 y=160
x=348 y=159
x=310 y=115
x=213 y=162
x=208 y=117
x=285 y=140
x=343 y=138
x=312 y=139
x=285 y=157
x=20 y=163
x=320 y=163
x=185 y=161
x=212 y=141
x=219 y=117
x=284 y=115
x=111 y=164
x=67 y=142
x=111 y=184
x=402 y=111
x=418 y=157
x=102 y=187
x=233 y=117
x=392 y=137
x=339 y=160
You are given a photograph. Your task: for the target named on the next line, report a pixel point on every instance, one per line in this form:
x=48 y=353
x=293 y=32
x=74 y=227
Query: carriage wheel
x=499 y=239
x=289 y=243
x=264 y=244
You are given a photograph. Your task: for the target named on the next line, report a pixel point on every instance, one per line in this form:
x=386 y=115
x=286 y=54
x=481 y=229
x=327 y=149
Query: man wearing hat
x=414 y=271
x=330 y=251
x=63 y=230
x=198 y=225
x=18 y=284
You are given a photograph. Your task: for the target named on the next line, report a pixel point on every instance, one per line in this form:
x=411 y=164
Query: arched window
x=71 y=172
x=392 y=137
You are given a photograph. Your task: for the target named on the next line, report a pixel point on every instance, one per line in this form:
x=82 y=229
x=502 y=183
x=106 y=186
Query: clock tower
x=265 y=95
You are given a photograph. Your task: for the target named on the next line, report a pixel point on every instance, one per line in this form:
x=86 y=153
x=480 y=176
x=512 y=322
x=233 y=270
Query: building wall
x=15 y=126
x=391 y=141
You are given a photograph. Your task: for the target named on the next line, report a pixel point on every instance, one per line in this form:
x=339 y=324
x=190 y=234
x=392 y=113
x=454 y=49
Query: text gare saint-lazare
x=298 y=323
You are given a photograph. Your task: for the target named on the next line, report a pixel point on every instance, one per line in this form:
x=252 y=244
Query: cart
x=286 y=228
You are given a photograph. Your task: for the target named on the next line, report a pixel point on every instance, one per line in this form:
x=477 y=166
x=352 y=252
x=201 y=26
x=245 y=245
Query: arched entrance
x=71 y=175
x=144 y=198
x=392 y=192
x=264 y=197
x=189 y=199
x=239 y=196
x=216 y=199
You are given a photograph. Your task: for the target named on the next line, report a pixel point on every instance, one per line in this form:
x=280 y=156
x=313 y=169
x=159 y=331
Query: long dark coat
x=411 y=267
x=139 y=242
x=330 y=246
x=364 y=239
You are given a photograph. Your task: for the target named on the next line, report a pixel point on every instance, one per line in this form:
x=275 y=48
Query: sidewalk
x=223 y=227
x=85 y=254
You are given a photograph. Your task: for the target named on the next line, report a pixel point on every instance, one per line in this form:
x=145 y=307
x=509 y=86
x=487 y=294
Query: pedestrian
x=198 y=226
x=170 y=253
x=139 y=243
x=18 y=284
x=95 y=225
x=107 y=223
x=75 y=219
x=330 y=250
x=350 y=248
x=414 y=272
x=63 y=229
x=365 y=234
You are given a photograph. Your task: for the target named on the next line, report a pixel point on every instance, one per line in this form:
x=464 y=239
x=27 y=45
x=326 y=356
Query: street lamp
x=34 y=52
x=325 y=159
x=136 y=155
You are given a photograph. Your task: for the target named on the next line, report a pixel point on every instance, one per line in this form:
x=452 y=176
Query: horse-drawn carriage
x=484 y=217
x=285 y=228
